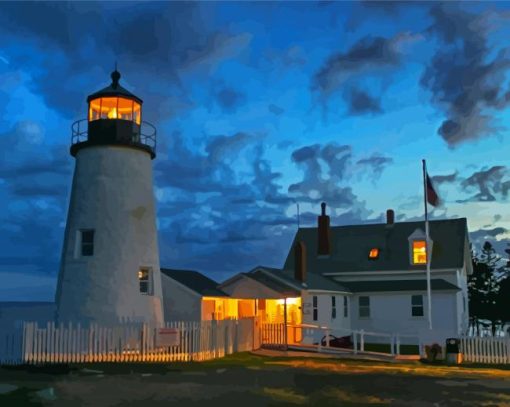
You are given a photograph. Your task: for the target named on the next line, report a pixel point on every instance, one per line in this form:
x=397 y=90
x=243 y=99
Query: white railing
x=485 y=349
x=311 y=336
x=74 y=343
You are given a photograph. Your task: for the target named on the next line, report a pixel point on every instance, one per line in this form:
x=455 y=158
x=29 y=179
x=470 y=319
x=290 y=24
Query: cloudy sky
x=258 y=106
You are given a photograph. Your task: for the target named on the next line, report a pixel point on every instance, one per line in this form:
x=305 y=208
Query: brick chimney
x=323 y=242
x=300 y=261
x=390 y=217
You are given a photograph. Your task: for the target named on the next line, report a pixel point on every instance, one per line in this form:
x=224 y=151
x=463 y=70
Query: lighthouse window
x=125 y=109
x=109 y=108
x=87 y=242
x=94 y=109
x=144 y=280
x=136 y=113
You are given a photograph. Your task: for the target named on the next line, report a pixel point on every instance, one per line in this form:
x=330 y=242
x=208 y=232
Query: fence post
x=327 y=337
x=355 y=341
x=398 y=344
x=362 y=340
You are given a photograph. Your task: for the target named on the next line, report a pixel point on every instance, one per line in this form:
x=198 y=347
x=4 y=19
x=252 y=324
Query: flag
x=432 y=196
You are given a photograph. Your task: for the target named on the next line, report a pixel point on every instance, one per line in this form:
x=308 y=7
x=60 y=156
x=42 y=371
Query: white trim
x=329 y=292
x=381 y=273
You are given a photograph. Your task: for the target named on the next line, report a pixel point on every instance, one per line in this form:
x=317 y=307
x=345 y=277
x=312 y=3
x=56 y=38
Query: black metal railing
x=145 y=135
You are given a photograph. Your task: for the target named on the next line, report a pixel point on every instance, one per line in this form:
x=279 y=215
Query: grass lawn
x=251 y=380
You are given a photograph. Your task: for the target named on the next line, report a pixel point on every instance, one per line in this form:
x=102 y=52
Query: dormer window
x=419 y=252
x=418 y=248
x=373 y=254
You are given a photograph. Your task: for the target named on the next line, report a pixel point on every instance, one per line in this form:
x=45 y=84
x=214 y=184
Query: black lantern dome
x=114 y=118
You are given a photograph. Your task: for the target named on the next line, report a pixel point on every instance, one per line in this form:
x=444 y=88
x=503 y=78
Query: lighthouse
x=109 y=271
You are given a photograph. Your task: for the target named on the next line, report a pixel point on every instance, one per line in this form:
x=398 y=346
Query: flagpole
x=428 y=258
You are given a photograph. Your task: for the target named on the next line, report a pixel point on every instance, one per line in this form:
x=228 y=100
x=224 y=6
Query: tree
x=483 y=289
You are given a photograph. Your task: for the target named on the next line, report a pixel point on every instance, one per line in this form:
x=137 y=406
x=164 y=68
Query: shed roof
x=195 y=281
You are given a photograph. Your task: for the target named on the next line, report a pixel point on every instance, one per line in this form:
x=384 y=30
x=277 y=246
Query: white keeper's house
x=370 y=277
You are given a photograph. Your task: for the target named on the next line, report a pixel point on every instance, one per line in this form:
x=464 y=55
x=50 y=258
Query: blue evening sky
x=258 y=106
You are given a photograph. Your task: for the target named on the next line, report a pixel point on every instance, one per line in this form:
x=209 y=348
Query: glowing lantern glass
x=115 y=108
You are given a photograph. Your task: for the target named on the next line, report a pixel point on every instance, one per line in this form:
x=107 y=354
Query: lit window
x=114 y=108
x=125 y=109
x=94 y=109
x=417 y=305
x=374 y=253
x=315 y=310
x=87 y=242
x=136 y=113
x=419 y=252
x=144 y=279
x=364 y=307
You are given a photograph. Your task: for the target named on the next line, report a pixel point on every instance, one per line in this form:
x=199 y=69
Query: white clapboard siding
x=127 y=342
x=485 y=349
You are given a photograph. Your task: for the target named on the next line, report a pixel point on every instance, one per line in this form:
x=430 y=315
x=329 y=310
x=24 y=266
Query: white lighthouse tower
x=110 y=262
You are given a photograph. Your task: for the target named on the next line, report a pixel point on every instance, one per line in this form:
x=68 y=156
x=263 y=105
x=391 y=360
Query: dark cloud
x=488 y=233
x=490 y=184
x=276 y=110
x=229 y=99
x=443 y=179
x=360 y=102
x=368 y=55
x=158 y=41
x=326 y=171
x=216 y=218
x=466 y=73
x=375 y=164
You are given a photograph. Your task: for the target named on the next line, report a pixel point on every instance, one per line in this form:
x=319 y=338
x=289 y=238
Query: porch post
x=285 y=323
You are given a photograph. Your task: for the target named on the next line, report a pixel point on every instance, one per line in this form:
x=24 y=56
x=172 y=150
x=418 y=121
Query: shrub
x=434 y=352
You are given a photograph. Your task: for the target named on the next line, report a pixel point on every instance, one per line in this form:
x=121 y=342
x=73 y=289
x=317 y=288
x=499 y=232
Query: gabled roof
x=195 y=281
x=281 y=286
x=399 y=285
x=350 y=246
x=312 y=281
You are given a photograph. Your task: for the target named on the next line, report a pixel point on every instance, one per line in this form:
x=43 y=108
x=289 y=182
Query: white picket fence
x=485 y=349
x=196 y=341
x=310 y=336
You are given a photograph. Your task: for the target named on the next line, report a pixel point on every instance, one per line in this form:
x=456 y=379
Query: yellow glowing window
x=374 y=253
x=136 y=113
x=125 y=109
x=419 y=252
x=94 y=109
x=114 y=108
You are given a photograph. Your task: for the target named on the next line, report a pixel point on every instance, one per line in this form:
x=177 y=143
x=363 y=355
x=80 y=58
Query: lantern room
x=114 y=118
x=114 y=108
